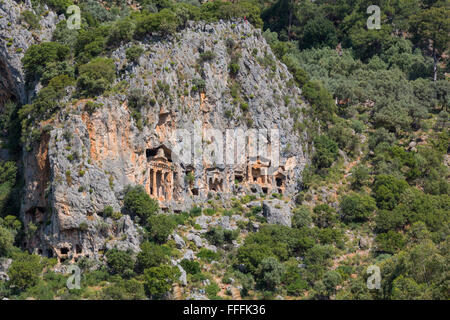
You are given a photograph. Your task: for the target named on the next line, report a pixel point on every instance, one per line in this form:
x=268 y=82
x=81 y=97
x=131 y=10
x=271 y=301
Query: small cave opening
x=34 y=212
x=158 y=152
x=194 y=191
x=215 y=185
x=151 y=153
x=78 y=248
x=279 y=181
x=265 y=190
x=254 y=190
x=40 y=251
x=239 y=178
x=64 y=250
x=49 y=253
x=163 y=117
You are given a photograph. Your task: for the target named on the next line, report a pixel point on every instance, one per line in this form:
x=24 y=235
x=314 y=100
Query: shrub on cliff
x=139 y=203
x=25 y=270
x=159 y=280
x=38 y=56
x=151 y=255
x=357 y=207
x=96 y=76
x=6 y=241
x=326 y=152
x=160 y=227
x=119 y=262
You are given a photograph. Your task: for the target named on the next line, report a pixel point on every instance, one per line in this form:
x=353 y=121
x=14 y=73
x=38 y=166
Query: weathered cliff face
x=15 y=40
x=84 y=162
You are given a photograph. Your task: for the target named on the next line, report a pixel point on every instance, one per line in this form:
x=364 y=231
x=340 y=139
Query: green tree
x=159 y=280
x=139 y=203
x=387 y=190
x=38 y=56
x=151 y=255
x=331 y=280
x=96 y=76
x=359 y=176
x=160 y=227
x=269 y=273
x=390 y=242
x=25 y=270
x=6 y=241
x=357 y=207
x=324 y=216
x=319 y=32
x=432 y=27
x=302 y=217
x=321 y=100
x=119 y=262
x=326 y=152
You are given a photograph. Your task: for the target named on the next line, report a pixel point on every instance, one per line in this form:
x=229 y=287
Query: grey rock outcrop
x=179 y=241
x=277 y=212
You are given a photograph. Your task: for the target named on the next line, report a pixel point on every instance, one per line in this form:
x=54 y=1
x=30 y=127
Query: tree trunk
x=434 y=65
x=291 y=7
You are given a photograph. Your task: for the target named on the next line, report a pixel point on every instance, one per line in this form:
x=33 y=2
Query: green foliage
x=302 y=217
x=208 y=255
x=191 y=267
x=96 y=76
x=219 y=236
x=39 y=56
x=119 y=262
x=390 y=242
x=359 y=177
x=133 y=53
x=387 y=190
x=60 y=6
x=269 y=273
x=321 y=100
x=195 y=211
x=319 y=32
x=25 y=270
x=212 y=290
x=324 y=216
x=158 y=280
x=130 y=289
x=219 y=10
x=357 y=207
x=164 y=22
x=6 y=241
x=160 y=227
x=326 y=152
x=139 y=203
x=31 y=19
x=151 y=255
x=273 y=240
x=8 y=172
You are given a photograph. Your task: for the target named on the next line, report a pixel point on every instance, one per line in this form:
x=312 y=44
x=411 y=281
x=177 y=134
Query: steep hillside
x=92 y=149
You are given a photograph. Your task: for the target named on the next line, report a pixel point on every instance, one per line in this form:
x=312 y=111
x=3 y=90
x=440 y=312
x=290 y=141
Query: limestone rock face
x=86 y=158
x=15 y=40
x=277 y=212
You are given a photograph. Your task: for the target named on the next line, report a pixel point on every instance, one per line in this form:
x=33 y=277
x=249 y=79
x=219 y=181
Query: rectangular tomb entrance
x=161 y=173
